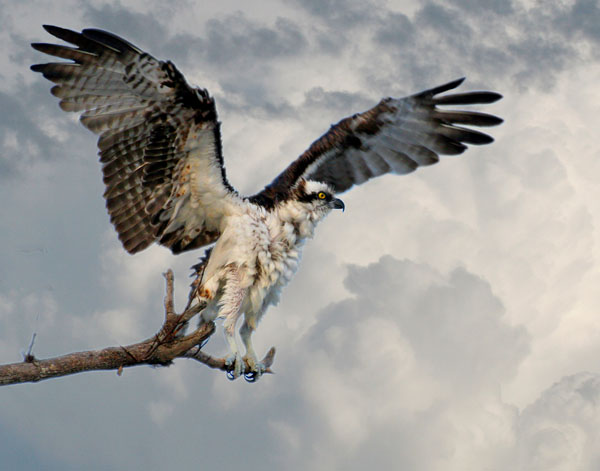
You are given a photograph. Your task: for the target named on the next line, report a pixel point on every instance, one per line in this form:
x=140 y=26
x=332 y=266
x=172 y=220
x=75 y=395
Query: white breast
x=263 y=248
x=276 y=264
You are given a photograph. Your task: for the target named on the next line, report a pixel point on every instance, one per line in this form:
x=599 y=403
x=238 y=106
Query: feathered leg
x=246 y=331
x=230 y=309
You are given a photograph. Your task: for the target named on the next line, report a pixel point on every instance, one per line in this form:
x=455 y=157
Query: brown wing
x=159 y=144
x=395 y=136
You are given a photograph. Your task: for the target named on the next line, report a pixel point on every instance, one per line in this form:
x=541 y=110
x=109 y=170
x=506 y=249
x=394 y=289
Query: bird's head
x=308 y=203
x=317 y=197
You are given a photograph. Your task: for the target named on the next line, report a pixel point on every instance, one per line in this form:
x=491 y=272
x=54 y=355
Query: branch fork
x=162 y=349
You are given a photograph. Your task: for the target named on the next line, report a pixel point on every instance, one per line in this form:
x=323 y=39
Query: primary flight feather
x=161 y=155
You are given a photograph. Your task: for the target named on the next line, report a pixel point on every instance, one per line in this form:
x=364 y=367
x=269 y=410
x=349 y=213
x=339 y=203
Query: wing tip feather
x=57 y=31
x=51 y=28
x=110 y=40
x=494 y=97
x=492 y=120
x=40 y=46
x=481 y=140
x=485 y=97
x=442 y=88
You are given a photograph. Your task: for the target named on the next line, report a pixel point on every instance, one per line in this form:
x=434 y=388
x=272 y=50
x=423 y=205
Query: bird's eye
x=321 y=195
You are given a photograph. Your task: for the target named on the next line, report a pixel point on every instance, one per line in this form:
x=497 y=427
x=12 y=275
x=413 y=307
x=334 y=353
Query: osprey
x=160 y=150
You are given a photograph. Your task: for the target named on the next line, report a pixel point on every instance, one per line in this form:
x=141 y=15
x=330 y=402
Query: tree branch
x=161 y=349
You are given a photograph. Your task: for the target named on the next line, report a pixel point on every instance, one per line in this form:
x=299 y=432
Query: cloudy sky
x=448 y=320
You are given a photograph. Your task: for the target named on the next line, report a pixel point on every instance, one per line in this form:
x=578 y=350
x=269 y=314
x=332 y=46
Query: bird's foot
x=255 y=367
x=236 y=363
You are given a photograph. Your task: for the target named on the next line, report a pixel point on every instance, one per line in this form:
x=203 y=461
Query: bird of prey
x=160 y=149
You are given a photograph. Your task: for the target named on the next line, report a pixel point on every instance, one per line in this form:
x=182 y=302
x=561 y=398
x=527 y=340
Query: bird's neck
x=299 y=217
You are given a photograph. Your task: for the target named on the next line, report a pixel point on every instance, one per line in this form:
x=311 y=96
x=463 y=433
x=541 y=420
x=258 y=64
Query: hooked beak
x=337 y=204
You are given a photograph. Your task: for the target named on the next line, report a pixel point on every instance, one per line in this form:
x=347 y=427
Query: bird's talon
x=256 y=368
x=236 y=365
x=251 y=377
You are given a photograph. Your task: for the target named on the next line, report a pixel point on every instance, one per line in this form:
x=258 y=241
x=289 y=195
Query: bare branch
x=161 y=349
x=112 y=358
x=29 y=357
x=169 y=304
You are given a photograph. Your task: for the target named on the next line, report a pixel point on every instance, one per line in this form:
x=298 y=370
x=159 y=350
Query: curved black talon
x=230 y=375
x=251 y=377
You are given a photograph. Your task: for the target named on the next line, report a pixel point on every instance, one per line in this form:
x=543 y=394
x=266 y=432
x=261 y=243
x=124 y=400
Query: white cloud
x=160 y=410
x=411 y=343
x=559 y=432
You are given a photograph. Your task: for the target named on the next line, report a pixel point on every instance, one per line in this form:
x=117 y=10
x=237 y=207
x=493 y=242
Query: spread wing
x=395 y=136
x=159 y=144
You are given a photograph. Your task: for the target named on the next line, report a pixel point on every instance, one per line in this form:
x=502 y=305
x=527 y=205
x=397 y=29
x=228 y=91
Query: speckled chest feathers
x=259 y=251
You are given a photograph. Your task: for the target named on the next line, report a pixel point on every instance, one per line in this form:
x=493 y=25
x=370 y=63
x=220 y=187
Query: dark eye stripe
x=307 y=198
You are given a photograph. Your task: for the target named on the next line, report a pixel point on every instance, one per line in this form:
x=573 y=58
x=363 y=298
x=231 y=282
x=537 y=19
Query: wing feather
x=395 y=136
x=155 y=134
